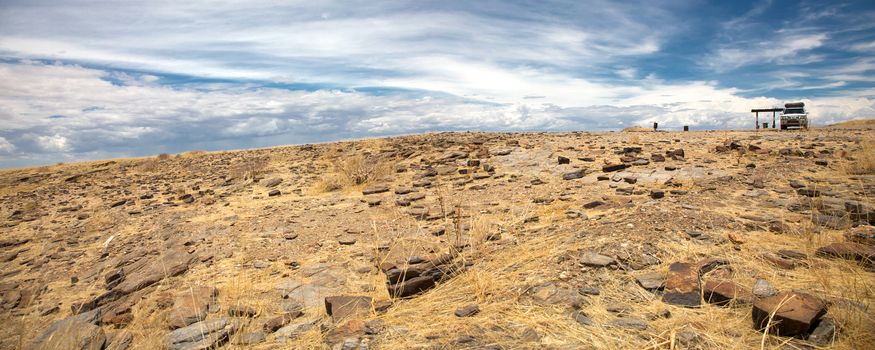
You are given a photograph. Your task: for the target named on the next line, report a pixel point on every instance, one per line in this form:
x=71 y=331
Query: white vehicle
x=794 y=116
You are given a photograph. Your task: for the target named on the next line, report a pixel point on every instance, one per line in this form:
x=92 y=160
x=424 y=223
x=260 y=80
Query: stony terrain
x=696 y=240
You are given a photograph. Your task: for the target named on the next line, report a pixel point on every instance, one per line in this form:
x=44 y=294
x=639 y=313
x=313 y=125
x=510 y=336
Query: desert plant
x=360 y=170
x=863 y=159
x=249 y=168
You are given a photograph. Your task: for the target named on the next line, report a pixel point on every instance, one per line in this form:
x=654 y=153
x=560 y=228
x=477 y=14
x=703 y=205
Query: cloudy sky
x=98 y=79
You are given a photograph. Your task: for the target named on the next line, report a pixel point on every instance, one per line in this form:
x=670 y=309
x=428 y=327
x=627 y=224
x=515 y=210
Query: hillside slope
x=454 y=240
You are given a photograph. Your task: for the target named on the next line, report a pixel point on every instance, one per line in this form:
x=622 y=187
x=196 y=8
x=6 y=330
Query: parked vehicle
x=794 y=116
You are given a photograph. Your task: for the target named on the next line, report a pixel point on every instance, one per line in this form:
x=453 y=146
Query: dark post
x=758 y=119
x=686 y=128
x=773 y=119
x=655 y=125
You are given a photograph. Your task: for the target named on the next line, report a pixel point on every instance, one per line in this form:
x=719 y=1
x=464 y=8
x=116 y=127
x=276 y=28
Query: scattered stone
x=173 y=262
x=794 y=313
x=375 y=189
x=763 y=289
x=113 y=278
x=779 y=261
x=414 y=279
x=346 y=306
x=628 y=323
x=861 y=234
x=119 y=340
x=651 y=281
x=723 y=292
x=581 y=318
x=201 y=335
x=191 y=306
x=467 y=310
x=849 y=250
x=593 y=204
x=688 y=338
x=596 y=260
x=75 y=332
x=293 y=330
x=589 y=291
x=241 y=311
x=792 y=254
x=249 y=338
x=682 y=285
x=564 y=160
x=346 y=240
x=807 y=192
x=187 y=198
x=273 y=324
x=613 y=167
x=577 y=174
x=273 y=193
x=374 y=327
x=272 y=182
x=825 y=332
x=576 y=214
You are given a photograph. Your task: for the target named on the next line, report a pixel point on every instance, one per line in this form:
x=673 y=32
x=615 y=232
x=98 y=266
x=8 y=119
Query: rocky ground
x=696 y=240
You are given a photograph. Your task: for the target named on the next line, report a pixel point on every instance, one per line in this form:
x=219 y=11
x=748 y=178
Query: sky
x=101 y=79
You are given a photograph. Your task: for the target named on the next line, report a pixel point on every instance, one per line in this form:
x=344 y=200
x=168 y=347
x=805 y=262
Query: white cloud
x=53 y=143
x=6 y=146
x=784 y=49
x=264 y=40
x=96 y=118
x=627 y=72
x=448 y=66
x=864 y=47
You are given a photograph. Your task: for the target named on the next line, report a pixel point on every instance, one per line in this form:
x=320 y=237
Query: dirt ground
x=450 y=241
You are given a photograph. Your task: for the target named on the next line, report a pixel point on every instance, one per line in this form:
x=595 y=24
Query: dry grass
x=361 y=170
x=504 y=271
x=853 y=123
x=637 y=129
x=352 y=173
x=863 y=158
x=249 y=168
x=498 y=283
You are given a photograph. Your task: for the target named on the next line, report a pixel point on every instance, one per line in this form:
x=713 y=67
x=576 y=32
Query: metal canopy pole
x=773 y=120
x=758 y=119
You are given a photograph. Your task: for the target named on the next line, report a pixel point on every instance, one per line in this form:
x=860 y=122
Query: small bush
x=249 y=168
x=360 y=170
x=352 y=172
x=330 y=183
x=864 y=159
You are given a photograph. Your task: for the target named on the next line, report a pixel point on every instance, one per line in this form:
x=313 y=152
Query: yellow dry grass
x=352 y=173
x=637 y=129
x=853 y=123
x=863 y=158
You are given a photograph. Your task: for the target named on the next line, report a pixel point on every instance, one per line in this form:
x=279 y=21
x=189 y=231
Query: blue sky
x=98 y=79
